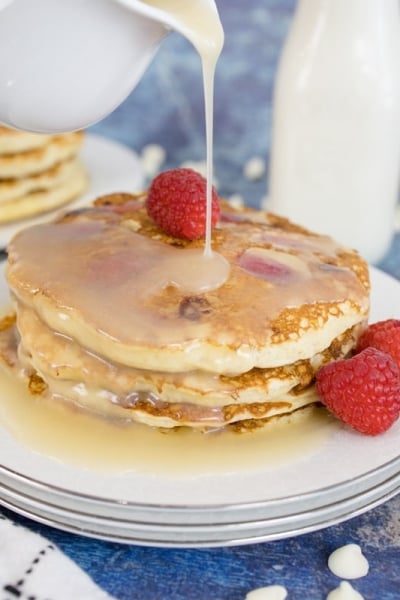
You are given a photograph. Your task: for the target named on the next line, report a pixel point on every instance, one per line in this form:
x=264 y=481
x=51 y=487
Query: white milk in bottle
x=335 y=155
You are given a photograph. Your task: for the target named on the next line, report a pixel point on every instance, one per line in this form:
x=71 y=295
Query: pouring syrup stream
x=199 y=22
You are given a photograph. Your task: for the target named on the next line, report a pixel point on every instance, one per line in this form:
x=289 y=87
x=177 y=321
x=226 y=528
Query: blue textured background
x=167 y=108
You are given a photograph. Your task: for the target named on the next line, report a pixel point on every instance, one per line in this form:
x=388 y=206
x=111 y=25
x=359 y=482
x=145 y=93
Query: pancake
x=218 y=399
x=38 y=173
x=13 y=141
x=100 y=323
x=23 y=164
x=14 y=189
x=41 y=193
x=157 y=399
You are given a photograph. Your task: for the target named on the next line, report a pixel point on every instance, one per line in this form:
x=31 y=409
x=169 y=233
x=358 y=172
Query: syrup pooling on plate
x=200 y=23
x=45 y=426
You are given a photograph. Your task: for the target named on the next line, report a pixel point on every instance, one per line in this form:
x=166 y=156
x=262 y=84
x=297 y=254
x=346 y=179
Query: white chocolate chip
x=254 y=168
x=200 y=167
x=236 y=201
x=270 y=592
x=348 y=562
x=345 y=591
x=131 y=224
x=153 y=156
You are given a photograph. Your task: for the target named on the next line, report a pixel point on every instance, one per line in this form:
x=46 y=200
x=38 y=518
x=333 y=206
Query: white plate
x=346 y=475
x=112 y=167
x=187 y=535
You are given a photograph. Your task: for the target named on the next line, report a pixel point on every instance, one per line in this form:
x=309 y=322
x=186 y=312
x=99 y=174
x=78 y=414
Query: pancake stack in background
x=38 y=173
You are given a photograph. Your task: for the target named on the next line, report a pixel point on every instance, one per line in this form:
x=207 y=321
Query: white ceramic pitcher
x=65 y=64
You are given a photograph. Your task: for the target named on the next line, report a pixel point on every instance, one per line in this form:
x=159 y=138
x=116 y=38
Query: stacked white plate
x=185 y=523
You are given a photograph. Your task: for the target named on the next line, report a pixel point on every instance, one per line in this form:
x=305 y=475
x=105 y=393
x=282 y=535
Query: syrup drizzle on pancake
x=129 y=288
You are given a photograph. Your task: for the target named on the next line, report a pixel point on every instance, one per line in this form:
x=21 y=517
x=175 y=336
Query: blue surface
x=167 y=108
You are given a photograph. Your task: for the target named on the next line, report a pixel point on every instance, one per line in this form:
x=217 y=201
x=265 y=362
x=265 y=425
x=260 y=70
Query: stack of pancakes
x=38 y=172
x=98 y=322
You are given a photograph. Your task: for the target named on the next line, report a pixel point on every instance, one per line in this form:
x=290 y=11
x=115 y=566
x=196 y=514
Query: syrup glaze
x=66 y=433
x=129 y=287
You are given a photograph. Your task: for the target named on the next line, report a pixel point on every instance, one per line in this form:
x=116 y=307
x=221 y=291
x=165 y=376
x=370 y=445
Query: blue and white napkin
x=31 y=567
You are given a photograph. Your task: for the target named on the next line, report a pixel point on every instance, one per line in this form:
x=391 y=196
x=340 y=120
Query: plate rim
x=343 y=511
x=347 y=484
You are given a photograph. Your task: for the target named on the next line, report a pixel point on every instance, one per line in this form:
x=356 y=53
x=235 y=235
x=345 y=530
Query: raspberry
x=385 y=336
x=176 y=201
x=363 y=391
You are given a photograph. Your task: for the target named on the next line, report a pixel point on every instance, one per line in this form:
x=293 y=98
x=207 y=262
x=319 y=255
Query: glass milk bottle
x=335 y=155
